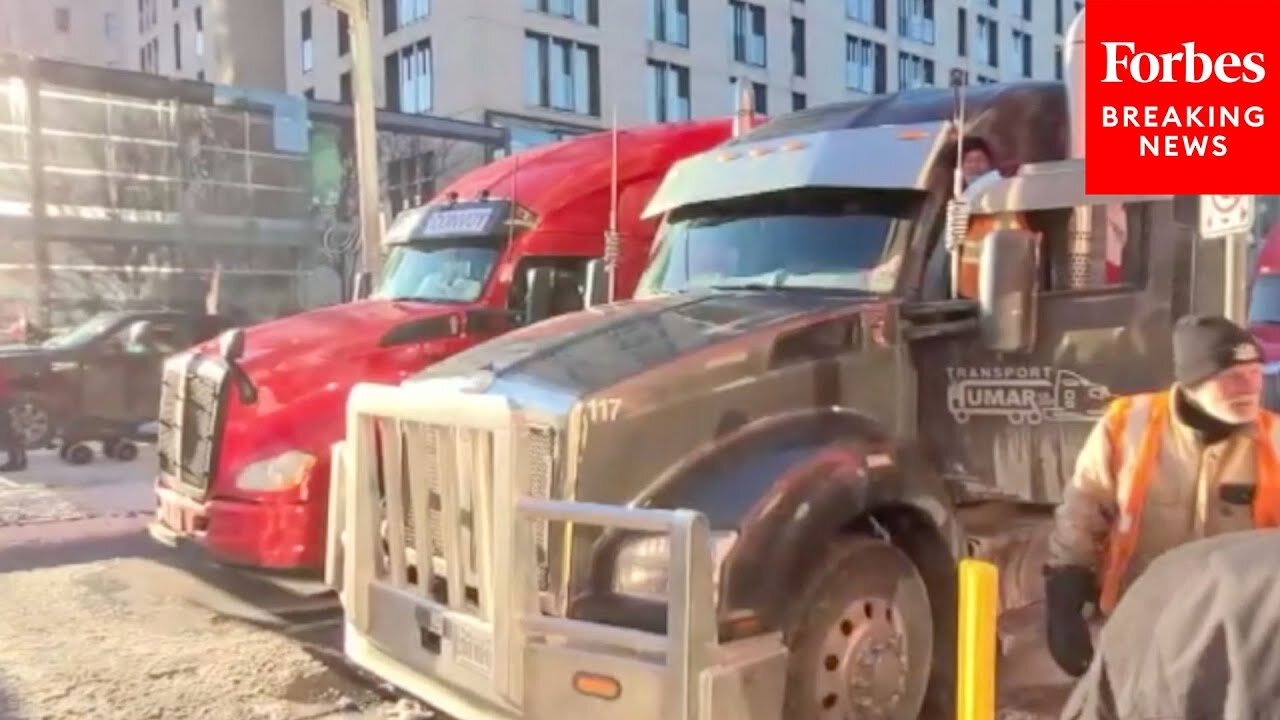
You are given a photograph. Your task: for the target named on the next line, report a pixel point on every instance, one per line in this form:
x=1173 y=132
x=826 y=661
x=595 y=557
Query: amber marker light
x=600 y=686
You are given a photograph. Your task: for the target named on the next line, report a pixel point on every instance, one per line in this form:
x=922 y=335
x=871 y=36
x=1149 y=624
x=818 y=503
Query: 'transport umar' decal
x=1023 y=395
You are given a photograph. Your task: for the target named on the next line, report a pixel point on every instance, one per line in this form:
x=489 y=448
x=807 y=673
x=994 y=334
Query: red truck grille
x=190 y=422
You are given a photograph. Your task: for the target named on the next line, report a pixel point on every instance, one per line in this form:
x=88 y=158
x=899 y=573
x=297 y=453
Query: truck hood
x=655 y=347
x=357 y=324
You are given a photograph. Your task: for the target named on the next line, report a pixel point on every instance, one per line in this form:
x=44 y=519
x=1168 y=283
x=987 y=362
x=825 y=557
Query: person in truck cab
x=976 y=160
x=10 y=439
x=1159 y=470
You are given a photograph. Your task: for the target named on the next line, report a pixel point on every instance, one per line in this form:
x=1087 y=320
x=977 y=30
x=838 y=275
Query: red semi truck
x=246 y=422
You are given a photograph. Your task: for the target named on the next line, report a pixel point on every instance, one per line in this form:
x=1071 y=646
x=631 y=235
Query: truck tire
x=860 y=636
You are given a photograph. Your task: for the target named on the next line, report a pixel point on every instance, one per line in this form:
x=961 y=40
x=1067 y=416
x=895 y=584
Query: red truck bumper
x=276 y=536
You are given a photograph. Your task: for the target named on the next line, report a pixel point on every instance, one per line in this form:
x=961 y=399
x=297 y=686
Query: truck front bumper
x=275 y=536
x=747 y=684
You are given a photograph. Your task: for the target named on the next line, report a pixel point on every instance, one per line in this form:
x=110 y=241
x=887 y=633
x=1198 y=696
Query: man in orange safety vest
x=1159 y=470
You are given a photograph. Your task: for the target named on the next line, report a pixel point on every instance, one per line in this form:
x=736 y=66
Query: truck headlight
x=643 y=565
x=287 y=470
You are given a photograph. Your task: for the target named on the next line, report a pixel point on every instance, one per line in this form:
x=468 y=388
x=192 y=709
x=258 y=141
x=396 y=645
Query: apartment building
x=83 y=31
x=231 y=42
x=550 y=68
x=546 y=68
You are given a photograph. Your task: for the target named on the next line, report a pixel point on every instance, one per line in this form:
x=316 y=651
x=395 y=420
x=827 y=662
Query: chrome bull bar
x=535 y=658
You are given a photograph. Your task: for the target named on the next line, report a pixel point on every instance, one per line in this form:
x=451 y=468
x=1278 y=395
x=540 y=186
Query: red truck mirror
x=1008 y=269
x=597 y=283
x=539 y=298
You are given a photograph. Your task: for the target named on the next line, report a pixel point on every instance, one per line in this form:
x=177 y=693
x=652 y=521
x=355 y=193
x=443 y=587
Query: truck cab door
x=1014 y=422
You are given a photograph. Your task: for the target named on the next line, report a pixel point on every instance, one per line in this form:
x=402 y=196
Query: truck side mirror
x=597 y=283
x=363 y=285
x=540 y=286
x=1008 y=272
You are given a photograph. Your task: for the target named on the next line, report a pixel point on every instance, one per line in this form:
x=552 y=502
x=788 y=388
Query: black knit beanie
x=1205 y=345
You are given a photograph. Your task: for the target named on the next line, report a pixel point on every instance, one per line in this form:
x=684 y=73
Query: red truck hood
x=1268 y=336
x=355 y=323
x=299 y=352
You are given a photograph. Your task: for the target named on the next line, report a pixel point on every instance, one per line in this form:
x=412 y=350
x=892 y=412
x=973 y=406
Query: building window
x=399 y=13
x=308 y=49
x=994 y=3
x=408 y=79
x=798 y=65
x=1022 y=52
x=345 y=94
x=199 y=31
x=344 y=34
x=988 y=41
x=667 y=92
x=583 y=11
x=309 y=93
x=798 y=101
x=1057 y=16
x=411 y=181
x=177 y=46
x=175 y=4
x=864 y=65
x=200 y=75
x=62 y=19
x=867 y=12
x=962 y=32
x=669 y=22
x=759 y=96
x=914 y=71
x=748 y=32
x=915 y=20
x=152 y=18
x=110 y=26
x=1057 y=62
x=561 y=74
x=1026 y=9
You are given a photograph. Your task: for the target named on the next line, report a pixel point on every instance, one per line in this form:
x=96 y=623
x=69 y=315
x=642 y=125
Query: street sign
x=1223 y=215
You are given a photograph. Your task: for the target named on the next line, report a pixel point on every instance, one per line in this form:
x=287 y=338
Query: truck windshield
x=435 y=273
x=842 y=240
x=1264 y=300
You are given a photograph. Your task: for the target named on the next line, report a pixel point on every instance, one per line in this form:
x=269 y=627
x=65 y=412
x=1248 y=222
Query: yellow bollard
x=978 y=601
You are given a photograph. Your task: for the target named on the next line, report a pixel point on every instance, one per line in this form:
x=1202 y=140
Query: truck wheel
x=860 y=637
x=125 y=451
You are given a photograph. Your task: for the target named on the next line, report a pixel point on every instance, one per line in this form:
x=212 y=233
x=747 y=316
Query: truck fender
x=791 y=484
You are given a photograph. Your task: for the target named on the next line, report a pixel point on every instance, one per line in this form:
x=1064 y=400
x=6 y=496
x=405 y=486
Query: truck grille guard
x=476 y=607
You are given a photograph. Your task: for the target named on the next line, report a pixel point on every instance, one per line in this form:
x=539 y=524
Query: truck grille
x=190 y=422
x=429 y=457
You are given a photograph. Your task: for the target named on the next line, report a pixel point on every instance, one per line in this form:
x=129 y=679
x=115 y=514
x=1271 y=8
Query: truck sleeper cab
x=246 y=426
x=769 y=444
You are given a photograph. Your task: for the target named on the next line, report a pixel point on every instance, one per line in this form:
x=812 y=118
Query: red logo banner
x=1182 y=97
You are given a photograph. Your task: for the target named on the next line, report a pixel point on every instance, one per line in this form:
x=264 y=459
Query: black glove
x=1068 y=589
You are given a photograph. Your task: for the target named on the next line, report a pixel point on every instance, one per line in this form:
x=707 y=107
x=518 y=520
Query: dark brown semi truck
x=744 y=494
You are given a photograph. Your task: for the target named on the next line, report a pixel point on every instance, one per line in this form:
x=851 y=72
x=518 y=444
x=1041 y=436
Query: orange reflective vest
x=1135 y=448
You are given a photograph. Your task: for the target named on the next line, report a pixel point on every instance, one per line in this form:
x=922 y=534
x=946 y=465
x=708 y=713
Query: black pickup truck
x=106 y=367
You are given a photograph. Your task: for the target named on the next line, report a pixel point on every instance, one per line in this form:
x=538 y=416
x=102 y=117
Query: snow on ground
x=89 y=641
x=98 y=621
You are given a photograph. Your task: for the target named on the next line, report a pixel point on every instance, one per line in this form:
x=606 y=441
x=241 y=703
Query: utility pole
x=366 y=130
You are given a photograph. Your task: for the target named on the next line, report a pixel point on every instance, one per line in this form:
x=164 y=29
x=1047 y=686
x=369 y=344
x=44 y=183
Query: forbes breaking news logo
x=1172 y=114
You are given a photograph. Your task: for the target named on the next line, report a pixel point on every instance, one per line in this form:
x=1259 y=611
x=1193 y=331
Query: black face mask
x=1209 y=428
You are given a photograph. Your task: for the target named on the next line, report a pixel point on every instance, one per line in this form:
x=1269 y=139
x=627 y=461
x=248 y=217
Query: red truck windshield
x=432 y=272
x=839 y=240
